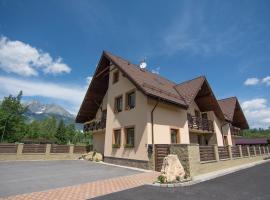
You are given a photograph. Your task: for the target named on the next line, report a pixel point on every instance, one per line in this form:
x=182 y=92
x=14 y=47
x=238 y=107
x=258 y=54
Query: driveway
x=252 y=183
x=18 y=177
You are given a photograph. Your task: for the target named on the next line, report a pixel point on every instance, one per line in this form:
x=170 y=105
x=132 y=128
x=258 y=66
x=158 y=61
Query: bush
x=161 y=179
x=129 y=146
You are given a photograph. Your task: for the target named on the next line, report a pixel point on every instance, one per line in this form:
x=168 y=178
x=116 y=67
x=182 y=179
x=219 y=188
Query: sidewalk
x=91 y=190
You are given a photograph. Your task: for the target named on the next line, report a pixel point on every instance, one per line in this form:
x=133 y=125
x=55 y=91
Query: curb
x=210 y=176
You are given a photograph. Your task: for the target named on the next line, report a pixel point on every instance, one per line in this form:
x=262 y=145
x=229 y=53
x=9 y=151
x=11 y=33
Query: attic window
x=115 y=77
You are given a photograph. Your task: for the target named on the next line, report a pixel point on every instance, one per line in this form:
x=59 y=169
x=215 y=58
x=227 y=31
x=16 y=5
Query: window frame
x=116 y=75
x=115 y=104
x=127 y=145
x=177 y=135
x=127 y=99
x=114 y=144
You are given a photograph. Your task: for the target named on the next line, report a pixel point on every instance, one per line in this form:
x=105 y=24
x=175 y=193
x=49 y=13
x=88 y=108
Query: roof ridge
x=202 y=76
x=233 y=97
x=146 y=70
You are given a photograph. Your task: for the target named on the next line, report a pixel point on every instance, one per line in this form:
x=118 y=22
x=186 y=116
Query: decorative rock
x=172 y=169
x=92 y=156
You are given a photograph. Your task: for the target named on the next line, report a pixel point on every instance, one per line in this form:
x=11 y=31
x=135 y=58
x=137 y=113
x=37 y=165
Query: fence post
x=19 y=149
x=71 y=149
x=268 y=149
x=216 y=152
x=254 y=148
x=48 y=149
x=230 y=152
x=248 y=151
x=260 y=150
x=240 y=151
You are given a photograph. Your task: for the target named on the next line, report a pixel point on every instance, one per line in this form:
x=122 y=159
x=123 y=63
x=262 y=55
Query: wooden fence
x=34 y=148
x=211 y=153
x=8 y=148
x=43 y=148
x=207 y=153
x=223 y=153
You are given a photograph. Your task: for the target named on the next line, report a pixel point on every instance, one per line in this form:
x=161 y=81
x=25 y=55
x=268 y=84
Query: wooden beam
x=102 y=71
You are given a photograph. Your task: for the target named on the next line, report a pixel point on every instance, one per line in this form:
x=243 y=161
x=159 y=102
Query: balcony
x=94 y=125
x=200 y=124
x=235 y=131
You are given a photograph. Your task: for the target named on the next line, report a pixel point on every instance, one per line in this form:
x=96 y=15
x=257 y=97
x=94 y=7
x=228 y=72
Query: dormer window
x=115 y=77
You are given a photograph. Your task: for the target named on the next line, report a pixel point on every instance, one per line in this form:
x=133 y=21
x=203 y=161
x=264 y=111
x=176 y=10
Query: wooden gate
x=161 y=151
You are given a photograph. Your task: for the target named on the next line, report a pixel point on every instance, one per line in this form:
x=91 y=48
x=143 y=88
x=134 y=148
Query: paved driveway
x=20 y=177
x=252 y=183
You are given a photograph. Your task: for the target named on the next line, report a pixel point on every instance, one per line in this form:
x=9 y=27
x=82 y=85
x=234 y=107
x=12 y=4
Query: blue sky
x=49 y=48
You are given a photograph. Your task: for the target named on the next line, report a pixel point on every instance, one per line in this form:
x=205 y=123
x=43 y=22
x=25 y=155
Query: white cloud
x=156 y=70
x=22 y=59
x=252 y=81
x=266 y=80
x=70 y=94
x=257 y=112
x=88 y=80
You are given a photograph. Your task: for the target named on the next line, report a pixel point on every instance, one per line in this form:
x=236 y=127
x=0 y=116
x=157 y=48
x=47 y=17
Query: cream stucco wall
x=165 y=117
x=136 y=117
x=98 y=141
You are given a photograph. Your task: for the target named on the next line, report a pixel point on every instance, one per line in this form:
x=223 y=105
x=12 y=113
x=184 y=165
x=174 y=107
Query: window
x=115 y=77
x=197 y=114
x=204 y=116
x=118 y=104
x=130 y=140
x=174 y=136
x=130 y=100
x=117 y=138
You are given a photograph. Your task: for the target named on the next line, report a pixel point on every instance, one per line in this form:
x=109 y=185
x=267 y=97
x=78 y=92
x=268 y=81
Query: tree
x=11 y=118
x=61 y=133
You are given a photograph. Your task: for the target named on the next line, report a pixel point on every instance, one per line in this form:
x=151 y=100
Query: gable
x=233 y=112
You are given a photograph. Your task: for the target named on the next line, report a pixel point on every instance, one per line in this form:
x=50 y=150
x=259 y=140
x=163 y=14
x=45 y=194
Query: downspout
x=152 y=131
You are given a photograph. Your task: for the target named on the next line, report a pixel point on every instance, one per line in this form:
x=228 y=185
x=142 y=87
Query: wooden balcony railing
x=236 y=131
x=200 y=124
x=95 y=125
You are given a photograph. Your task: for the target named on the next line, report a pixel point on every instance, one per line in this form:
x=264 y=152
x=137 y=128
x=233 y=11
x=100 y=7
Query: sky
x=50 y=49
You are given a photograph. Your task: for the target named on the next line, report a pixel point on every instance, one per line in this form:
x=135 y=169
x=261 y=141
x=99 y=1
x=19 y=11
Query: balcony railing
x=235 y=131
x=95 y=125
x=201 y=124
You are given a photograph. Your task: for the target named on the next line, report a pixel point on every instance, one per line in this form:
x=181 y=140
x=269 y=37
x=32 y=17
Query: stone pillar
x=19 y=149
x=216 y=152
x=230 y=152
x=248 y=151
x=260 y=150
x=268 y=149
x=71 y=149
x=194 y=159
x=255 y=153
x=48 y=150
x=240 y=150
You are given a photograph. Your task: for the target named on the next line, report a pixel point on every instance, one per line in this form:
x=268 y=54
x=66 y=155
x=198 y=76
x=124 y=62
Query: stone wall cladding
x=128 y=162
x=181 y=150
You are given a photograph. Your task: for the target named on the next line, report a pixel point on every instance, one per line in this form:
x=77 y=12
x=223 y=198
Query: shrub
x=161 y=179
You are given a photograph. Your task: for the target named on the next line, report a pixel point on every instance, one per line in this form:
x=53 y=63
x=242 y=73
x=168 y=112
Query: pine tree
x=61 y=133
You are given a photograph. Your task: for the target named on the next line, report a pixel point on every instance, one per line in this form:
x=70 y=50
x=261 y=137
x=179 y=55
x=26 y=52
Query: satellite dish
x=143 y=65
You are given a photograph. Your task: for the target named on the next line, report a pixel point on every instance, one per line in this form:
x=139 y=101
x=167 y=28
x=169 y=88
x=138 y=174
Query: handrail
x=200 y=123
x=95 y=125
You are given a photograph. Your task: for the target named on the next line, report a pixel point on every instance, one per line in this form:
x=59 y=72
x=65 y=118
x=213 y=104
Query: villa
x=128 y=109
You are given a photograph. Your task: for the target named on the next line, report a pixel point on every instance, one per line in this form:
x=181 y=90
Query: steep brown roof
x=150 y=84
x=233 y=112
x=227 y=106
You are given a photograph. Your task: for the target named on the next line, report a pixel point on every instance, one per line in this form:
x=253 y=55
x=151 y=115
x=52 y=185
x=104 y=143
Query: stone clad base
x=127 y=162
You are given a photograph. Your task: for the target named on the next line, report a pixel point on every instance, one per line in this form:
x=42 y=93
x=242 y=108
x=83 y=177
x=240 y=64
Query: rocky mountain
x=38 y=111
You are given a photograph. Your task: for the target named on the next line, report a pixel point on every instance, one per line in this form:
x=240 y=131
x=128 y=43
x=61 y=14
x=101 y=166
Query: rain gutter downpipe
x=152 y=130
